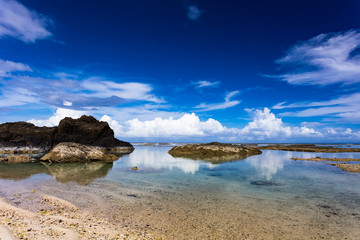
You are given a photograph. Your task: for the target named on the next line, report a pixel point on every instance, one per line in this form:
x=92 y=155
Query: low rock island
x=214 y=152
x=307 y=148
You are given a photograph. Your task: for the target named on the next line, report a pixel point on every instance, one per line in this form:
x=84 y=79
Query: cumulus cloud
x=325 y=59
x=193 y=12
x=203 y=107
x=187 y=125
x=264 y=126
x=203 y=83
x=56 y=118
x=19 y=22
x=7 y=67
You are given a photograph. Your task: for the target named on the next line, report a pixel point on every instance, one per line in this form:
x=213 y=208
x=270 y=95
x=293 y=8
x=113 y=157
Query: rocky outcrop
x=307 y=148
x=213 y=152
x=22 y=136
x=26 y=136
x=87 y=130
x=67 y=152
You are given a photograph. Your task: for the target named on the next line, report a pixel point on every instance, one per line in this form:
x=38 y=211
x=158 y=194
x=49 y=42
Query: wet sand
x=54 y=218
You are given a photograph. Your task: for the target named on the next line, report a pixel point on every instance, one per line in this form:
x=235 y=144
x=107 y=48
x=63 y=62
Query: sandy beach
x=56 y=219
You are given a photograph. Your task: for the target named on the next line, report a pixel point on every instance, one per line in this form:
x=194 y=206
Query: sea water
x=262 y=196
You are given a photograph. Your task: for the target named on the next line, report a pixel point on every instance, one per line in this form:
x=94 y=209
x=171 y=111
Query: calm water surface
x=261 y=197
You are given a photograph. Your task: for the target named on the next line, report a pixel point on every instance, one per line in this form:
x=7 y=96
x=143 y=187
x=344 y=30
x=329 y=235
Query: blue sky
x=232 y=71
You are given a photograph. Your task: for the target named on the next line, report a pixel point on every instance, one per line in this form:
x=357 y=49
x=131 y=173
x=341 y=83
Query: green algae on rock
x=213 y=152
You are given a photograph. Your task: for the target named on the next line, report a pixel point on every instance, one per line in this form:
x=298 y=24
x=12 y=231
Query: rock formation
x=25 y=137
x=67 y=152
x=213 y=152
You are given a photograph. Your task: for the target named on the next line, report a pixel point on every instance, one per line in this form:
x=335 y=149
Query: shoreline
x=57 y=218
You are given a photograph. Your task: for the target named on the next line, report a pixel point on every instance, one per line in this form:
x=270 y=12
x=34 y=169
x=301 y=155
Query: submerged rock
x=23 y=136
x=348 y=167
x=213 y=152
x=266 y=183
x=74 y=152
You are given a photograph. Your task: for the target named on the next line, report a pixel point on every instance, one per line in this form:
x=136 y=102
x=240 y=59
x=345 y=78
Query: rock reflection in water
x=158 y=158
x=81 y=173
x=214 y=159
x=19 y=171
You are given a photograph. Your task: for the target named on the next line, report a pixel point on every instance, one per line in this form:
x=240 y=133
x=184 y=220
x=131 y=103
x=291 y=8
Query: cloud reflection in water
x=269 y=163
x=158 y=158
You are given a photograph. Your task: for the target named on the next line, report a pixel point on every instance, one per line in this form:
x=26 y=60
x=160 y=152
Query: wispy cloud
x=203 y=83
x=203 y=107
x=67 y=90
x=344 y=107
x=128 y=90
x=325 y=59
x=7 y=67
x=193 y=12
x=19 y=22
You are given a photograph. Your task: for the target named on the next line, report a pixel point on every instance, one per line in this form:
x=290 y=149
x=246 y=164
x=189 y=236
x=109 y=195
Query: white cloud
x=187 y=125
x=17 y=97
x=193 y=12
x=265 y=126
x=128 y=90
x=67 y=103
x=56 y=118
x=7 y=67
x=203 y=83
x=344 y=107
x=216 y=106
x=19 y=22
x=325 y=59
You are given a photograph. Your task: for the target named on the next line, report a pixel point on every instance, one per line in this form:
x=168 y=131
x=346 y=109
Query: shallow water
x=267 y=196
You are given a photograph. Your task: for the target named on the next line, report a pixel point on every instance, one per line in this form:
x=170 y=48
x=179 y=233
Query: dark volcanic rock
x=85 y=130
x=26 y=135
